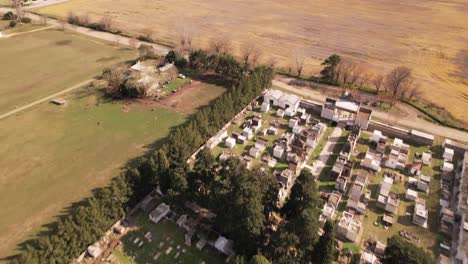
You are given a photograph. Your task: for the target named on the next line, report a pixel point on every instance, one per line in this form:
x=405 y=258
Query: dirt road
x=410 y=121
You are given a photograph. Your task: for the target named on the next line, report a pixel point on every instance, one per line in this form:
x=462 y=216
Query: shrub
x=9 y=16
x=172 y=56
x=26 y=20
x=181 y=62
x=12 y=24
x=145 y=38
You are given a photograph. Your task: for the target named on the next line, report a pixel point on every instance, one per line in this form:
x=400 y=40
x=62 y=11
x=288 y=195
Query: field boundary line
x=26 y=32
x=47 y=98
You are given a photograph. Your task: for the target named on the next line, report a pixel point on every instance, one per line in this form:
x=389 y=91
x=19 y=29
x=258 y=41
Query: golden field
x=431 y=37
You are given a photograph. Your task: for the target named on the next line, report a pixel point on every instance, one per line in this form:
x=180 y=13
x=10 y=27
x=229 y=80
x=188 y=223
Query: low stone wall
x=398 y=132
x=311 y=106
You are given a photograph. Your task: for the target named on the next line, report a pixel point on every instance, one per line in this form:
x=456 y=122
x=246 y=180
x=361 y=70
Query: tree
x=185 y=33
x=259 y=259
x=221 y=44
x=106 y=23
x=299 y=58
x=202 y=178
x=400 y=251
x=325 y=250
x=414 y=92
x=304 y=194
x=250 y=54
x=399 y=81
x=329 y=71
x=162 y=170
x=377 y=81
x=364 y=76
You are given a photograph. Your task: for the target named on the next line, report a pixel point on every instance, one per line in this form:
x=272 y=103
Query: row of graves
x=277 y=132
x=349 y=227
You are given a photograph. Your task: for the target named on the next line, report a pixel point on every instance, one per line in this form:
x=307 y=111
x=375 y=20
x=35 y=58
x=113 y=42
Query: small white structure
x=371 y=161
x=289 y=112
x=376 y=136
x=260 y=144
x=272 y=97
x=224 y=245
x=138 y=67
x=94 y=251
x=427 y=158
x=230 y=142
x=297 y=129
x=247 y=132
x=292 y=122
x=265 y=107
x=411 y=195
x=280 y=113
x=214 y=141
x=447 y=166
x=448 y=154
x=254 y=152
x=421 y=214
x=278 y=152
x=423 y=183
x=166 y=67
x=157 y=214
x=368 y=258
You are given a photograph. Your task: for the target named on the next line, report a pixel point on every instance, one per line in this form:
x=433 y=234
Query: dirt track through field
x=45 y=99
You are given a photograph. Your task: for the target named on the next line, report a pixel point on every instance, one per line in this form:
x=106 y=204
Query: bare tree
x=364 y=76
x=250 y=54
x=377 y=81
x=185 y=32
x=414 y=92
x=299 y=57
x=106 y=23
x=221 y=44
x=63 y=23
x=347 y=69
x=399 y=81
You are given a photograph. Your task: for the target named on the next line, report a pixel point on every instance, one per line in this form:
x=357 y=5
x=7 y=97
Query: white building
x=447 y=166
x=265 y=107
x=292 y=122
x=247 y=133
x=427 y=158
x=254 y=152
x=411 y=195
x=161 y=211
x=283 y=100
x=448 y=154
x=278 y=152
x=230 y=142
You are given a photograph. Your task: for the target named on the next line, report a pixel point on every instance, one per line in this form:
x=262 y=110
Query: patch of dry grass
x=428 y=36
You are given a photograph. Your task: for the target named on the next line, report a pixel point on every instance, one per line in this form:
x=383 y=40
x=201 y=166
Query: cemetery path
x=326 y=152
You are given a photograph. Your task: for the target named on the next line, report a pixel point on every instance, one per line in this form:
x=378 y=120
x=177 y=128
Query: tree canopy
x=400 y=251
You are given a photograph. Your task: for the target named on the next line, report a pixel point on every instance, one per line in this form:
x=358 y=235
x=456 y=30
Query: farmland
x=53 y=60
x=381 y=33
x=54 y=156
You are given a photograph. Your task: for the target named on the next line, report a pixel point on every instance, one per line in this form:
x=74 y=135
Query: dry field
x=429 y=36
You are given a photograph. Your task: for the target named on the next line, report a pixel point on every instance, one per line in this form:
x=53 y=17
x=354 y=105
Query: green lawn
x=52 y=156
x=44 y=62
x=175 y=84
x=165 y=234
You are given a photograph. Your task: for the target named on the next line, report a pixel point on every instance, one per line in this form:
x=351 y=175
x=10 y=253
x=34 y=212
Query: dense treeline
x=85 y=223
x=399 y=250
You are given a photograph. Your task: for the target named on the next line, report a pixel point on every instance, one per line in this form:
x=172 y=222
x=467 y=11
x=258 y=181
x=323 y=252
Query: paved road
x=45 y=99
x=410 y=121
x=327 y=150
x=121 y=40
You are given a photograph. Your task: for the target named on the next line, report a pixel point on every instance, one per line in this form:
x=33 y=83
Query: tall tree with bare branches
x=185 y=33
x=299 y=58
x=250 y=54
x=221 y=44
x=377 y=81
x=399 y=81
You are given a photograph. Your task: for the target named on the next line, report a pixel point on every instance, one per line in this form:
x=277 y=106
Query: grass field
x=165 y=234
x=428 y=36
x=53 y=156
x=49 y=61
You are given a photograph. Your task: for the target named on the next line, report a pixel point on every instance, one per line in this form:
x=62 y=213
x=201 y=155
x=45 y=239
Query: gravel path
x=327 y=150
